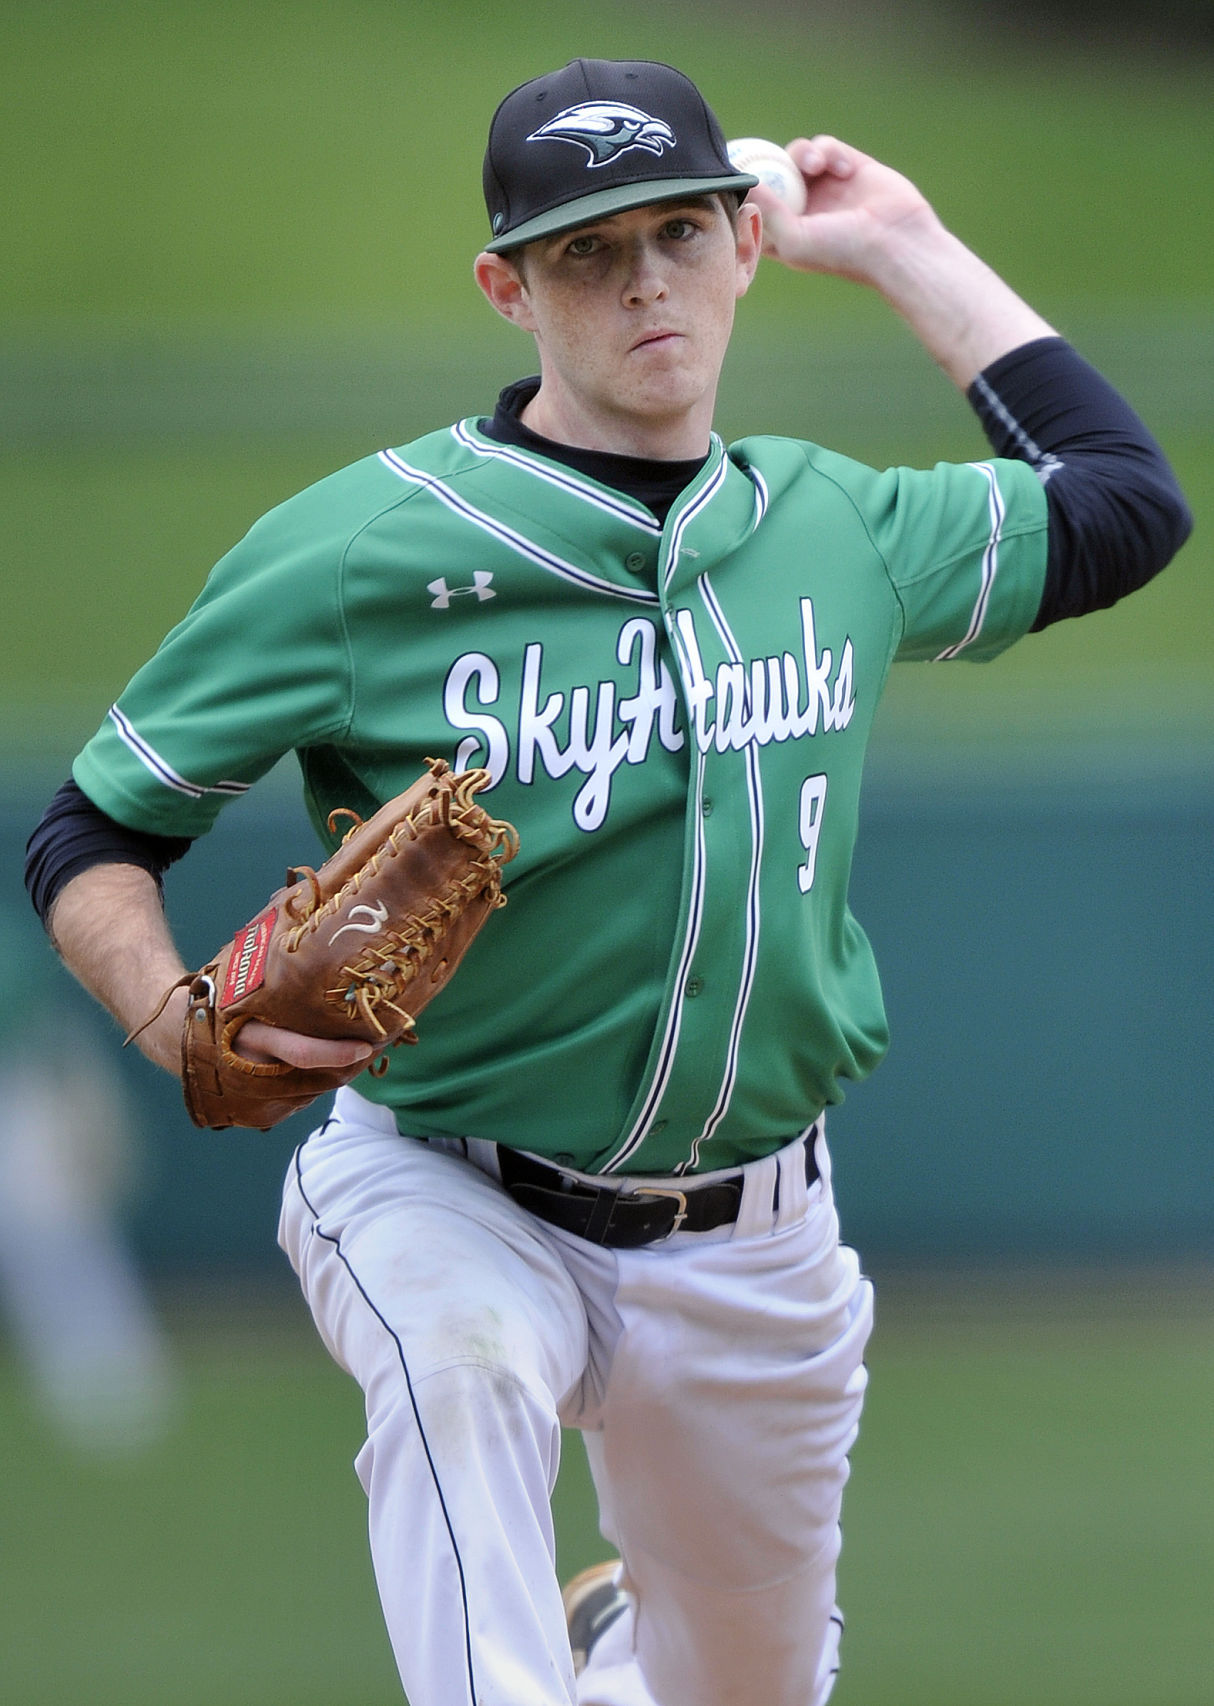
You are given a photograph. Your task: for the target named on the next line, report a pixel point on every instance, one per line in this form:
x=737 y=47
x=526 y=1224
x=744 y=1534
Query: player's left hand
x=856 y=209
x=272 y=1043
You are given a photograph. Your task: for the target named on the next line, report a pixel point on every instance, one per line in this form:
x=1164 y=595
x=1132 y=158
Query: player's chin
x=667 y=381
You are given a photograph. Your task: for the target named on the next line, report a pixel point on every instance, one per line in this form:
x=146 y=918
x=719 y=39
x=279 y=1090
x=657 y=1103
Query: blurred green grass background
x=237 y=247
x=239 y=239
x=1029 y=1522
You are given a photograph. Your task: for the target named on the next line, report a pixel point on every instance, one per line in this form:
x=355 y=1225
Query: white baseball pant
x=717 y=1378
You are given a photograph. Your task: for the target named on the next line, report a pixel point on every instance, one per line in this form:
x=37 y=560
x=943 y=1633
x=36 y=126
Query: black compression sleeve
x=1116 y=513
x=73 y=834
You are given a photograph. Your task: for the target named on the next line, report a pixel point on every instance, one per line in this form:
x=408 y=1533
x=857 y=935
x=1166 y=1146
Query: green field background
x=238 y=241
x=237 y=249
x=1028 y=1522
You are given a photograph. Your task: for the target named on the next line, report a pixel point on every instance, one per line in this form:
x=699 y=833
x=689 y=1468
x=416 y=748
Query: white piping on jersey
x=1044 y=462
x=699 y=502
x=161 y=769
x=636 y=515
x=997 y=510
x=751 y=903
x=674 y=1019
x=508 y=536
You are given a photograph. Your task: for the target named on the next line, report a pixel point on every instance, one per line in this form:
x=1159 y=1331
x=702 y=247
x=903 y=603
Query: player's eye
x=582 y=245
x=680 y=228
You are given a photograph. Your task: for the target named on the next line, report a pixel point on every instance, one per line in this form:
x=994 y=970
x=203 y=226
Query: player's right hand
x=856 y=207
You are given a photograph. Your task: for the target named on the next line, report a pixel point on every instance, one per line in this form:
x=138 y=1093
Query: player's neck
x=570 y=421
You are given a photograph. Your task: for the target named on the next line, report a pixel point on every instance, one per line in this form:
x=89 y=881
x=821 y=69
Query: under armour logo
x=443 y=594
x=606 y=129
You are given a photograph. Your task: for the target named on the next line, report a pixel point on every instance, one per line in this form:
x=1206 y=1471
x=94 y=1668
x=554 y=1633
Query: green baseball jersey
x=675 y=718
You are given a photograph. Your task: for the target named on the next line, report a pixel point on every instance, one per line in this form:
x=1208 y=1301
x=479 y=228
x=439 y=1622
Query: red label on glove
x=247 y=966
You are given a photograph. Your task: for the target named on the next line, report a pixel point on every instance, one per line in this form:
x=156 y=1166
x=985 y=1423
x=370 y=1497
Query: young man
x=598 y=1194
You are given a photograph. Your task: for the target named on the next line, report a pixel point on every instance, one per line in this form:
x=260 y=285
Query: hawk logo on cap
x=606 y=129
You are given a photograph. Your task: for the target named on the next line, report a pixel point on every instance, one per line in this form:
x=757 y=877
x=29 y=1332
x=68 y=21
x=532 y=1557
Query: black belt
x=626 y=1219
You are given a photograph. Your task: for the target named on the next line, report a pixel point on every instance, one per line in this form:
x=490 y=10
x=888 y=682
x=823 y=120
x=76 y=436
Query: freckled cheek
x=579 y=322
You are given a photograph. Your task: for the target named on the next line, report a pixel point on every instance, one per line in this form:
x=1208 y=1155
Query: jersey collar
x=559 y=476
x=715 y=515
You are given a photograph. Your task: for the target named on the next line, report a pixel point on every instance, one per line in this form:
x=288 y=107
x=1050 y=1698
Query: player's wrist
x=160 y=1038
x=916 y=259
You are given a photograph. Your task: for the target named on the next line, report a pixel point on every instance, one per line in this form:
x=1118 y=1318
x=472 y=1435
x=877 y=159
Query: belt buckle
x=680 y=1198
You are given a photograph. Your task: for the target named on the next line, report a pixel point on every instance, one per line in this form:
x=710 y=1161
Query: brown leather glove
x=353 y=950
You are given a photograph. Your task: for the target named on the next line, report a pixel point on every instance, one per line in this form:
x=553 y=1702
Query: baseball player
x=598 y=1193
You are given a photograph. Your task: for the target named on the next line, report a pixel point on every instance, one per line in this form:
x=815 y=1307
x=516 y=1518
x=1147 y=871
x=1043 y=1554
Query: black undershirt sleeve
x=73 y=834
x=1116 y=513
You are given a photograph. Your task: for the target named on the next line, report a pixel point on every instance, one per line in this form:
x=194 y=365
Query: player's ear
x=505 y=287
x=750 y=244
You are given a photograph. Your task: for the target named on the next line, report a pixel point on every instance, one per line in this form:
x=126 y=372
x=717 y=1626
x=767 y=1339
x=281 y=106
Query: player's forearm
x=109 y=927
x=864 y=221
x=962 y=312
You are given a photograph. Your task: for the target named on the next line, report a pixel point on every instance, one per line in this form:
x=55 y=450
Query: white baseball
x=773 y=166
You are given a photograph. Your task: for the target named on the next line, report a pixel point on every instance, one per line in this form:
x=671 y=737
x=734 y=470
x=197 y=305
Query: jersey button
x=656 y=1127
x=563 y=1160
x=706 y=808
x=692 y=987
x=635 y=560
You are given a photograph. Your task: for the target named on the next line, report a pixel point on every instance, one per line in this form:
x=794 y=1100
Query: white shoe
x=592 y=1600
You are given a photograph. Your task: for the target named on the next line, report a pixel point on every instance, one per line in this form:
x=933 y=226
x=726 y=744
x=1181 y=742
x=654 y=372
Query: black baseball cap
x=598 y=137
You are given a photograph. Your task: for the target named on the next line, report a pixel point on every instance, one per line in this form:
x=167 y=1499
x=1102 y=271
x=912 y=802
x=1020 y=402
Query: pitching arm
x=868 y=223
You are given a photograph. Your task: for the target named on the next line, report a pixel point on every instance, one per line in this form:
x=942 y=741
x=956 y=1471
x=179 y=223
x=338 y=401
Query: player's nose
x=646 y=280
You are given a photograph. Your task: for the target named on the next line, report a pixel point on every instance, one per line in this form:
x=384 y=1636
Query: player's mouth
x=661 y=339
